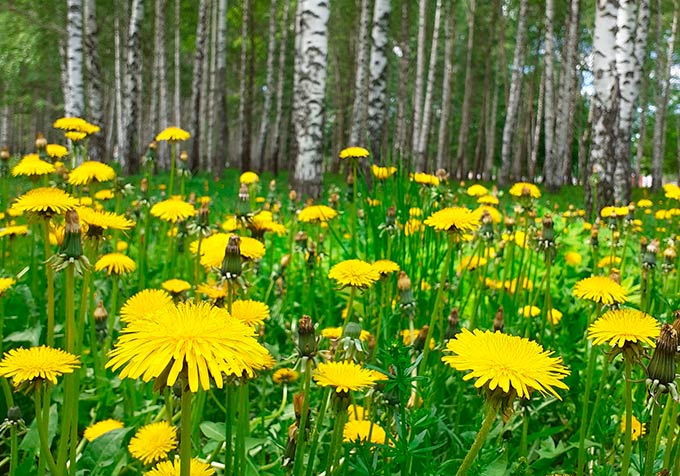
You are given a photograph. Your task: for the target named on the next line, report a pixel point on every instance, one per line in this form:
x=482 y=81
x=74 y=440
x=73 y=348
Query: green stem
x=671 y=432
x=584 y=410
x=185 y=440
x=315 y=434
x=13 y=451
x=173 y=149
x=628 y=437
x=242 y=429
x=350 y=307
x=650 y=457
x=229 y=418
x=336 y=441
x=487 y=424
x=49 y=272
x=113 y=311
x=42 y=422
x=301 y=440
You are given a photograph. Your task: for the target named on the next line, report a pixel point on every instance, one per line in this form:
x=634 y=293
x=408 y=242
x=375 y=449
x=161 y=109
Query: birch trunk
x=513 y=101
x=443 y=149
x=118 y=80
x=74 y=99
x=400 y=142
x=463 y=131
x=642 y=135
x=196 y=90
x=276 y=133
x=377 y=72
x=536 y=139
x=176 y=93
x=550 y=164
x=663 y=74
x=212 y=91
x=94 y=80
x=245 y=91
x=487 y=173
x=130 y=152
x=357 y=128
x=566 y=100
x=161 y=73
x=605 y=107
x=420 y=76
x=423 y=136
x=219 y=158
x=309 y=89
x=269 y=88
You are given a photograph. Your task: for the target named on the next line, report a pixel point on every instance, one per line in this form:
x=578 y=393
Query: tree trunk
x=423 y=136
x=487 y=173
x=309 y=91
x=177 y=99
x=212 y=91
x=268 y=90
x=74 y=100
x=199 y=53
x=219 y=159
x=663 y=74
x=357 y=127
x=513 y=104
x=443 y=148
x=161 y=73
x=281 y=75
x=480 y=151
x=550 y=163
x=401 y=134
x=605 y=108
x=95 y=108
x=420 y=78
x=642 y=135
x=118 y=80
x=130 y=152
x=566 y=101
x=463 y=130
x=536 y=139
x=377 y=73
x=245 y=107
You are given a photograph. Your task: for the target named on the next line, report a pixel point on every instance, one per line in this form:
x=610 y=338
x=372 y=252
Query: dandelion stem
x=229 y=416
x=628 y=437
x=336 y=441
x=185 y=440
x=650 y=456
x=13 y=445
x=49 y=272
x=42 y=422
x=173 y=151
x=315 y=434
x=300 y=450
x=586 y=396
x=487 y=424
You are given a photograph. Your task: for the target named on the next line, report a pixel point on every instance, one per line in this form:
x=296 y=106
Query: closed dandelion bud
x=285 y=261
x=153 y=145
x=594 y=237
x=453 y=324
x=486 y=229
x=311 y=254
x=404 y=282
x=40 y=142
x=307 y=344
x=616 y=237
x=100 y=313
x=292 y=195
x=509 y=224
x=291 y=446
x=184 y=156
x=203 y=216
x=72 y=246
x=419 y=342
x=14 y=415
x=498 y=320
x=298 y=400
x=615 y=275
x=192 y=198
x=643 y=244
x=442 y=175
x=548 y=231
x=144 y=186
x=669 y=255
x=649 y=256
x=661 y=367
x=4 y=153
x=100 y=321
x=333 y=200
x=352 y=330
x=231 y=264
x=301 y=240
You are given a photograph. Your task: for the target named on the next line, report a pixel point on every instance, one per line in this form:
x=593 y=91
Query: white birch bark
x=276 y=132
x=466 y=108
x=550 y=162
x=490 y=142
x=358 y=117
x=420 y=76
x=259 y=159
x=74 y=99
x=245 y=103
x=536 y=139
x=196 y=90
x=605 y=108
x=377 y=71
x=443 y=149
x=400 y=143
x=129 y=152
x=95 y=106
x=219 y=158
x=205 y=73
x=161 y=74
x=309 y=92
x=513 y=105
x=177 y=116
x=118 y=80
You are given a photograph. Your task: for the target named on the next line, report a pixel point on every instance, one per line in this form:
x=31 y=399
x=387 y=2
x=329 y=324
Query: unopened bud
x=307 y=344
x=231 y=264
x=498 y=320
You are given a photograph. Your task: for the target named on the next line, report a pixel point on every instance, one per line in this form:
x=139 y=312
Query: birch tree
x=420 y=76
x=95 y=109
x=245 y=106
x=161 y=74
x=548 y=87
x=309 y=88
x=356 y=135
x=443 y=135
x=199 y=53
x=220 y=87
x=129 y=146
x=468 y=91
x=269 y=87
x=74 y=100
x=377 y=72
x=513 y=101
x=276 y=133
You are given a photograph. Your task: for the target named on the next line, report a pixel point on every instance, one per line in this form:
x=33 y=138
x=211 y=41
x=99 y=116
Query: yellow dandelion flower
x=477 y=190
x=554 y=316
x=5 y=284
x=250 y=312
x=69 y=123
x=498 y=360
x=345 y=376
x=45 y=201
x=454 y=219
x=488 y=200
x=282 y=376
x=264 y=221
x=608 y=212
x=354 y=153
x=231 y=224
x=470 y=263
x=356 y=412
x=316 y=213
x=600 y=289
x=249 y=178
x=620 y=326
x=145 y=304
x=121 y=246
x=529 y=311
x=56 y=234
x=32 y=166
x=172 y=468
x=382 y=173
x=525 y=189
x=644 y=203
x=176 y=286
x=56 y=151
x=204 y=340
x=573 y=258
x=637 y=428
x=355 y=273
x=75 y=136
x=14 y=230
x=101 y=220
x=495 y=215
x=362 y=430
x=43 y=363
x=213 y=248
x=521 y=239
x=385 y=267
x=425 y=179
x=212 y=290
x=609 y=261
x=173 y=210
x=100 y=428
x=672 y=191
x=103 y=195
x=115 y=263
x=334 y=333
x=415 y=212
x=153 y=442
x=173 y=134
x=91 y=171
x=413 y=226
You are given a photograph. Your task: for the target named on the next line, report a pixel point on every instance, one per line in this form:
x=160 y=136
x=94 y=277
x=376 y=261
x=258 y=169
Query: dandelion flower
x=637 y=428
x=145 y=304
x=356 y=412
x=212 y=290
x=75 y=136
x=250 y=312
x=176 y=286
x=529 y=311
x=334 y=333
x=70 y=123
x=345 y=376
x=354 y=153
x=355 y=273
x=43 y=363
x=173 y=210
x=454 y=219
x=103 y=195
x=425 y=179
x=383 y=173
x=91 y=171
x=554 y=316
x=608 y=261
x=600 y=289
x=32 y=166
x=470 y=263
x=101 y=220
x=573 y=258
x=359 y=431
x=511 y=363
x=56 y=151
x=115 y=263
x=413 y=226
x=285 y=376
x=524 y=189
x=316 y=213
x=204 y=340
x=495 y=215
x=620 y=326
x=488 y=200
x=45 y=201
x=14 y=230
x=153 y=442
x=173 y=134
x=172 y=468
x=213 y=248
x=385 y=267
x=477 y=190
x=644 y=203
x=5 y=284
x=249 y=178
x=100 y=428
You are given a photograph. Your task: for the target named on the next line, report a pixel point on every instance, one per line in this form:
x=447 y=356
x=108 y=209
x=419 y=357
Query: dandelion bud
x=350 y=179
x=153 y=145
x=419 y=342
x=649 y=255
x=292 y=195
x=14 y=414
x=192 y=198
x=144 y=186
x=662 y=364
x=4 y=153
x=669 y=255
x=352 y=330
x=498 y=320
x=594 y=237
x=403 y=283
x=615 y=275
x=285 y=261
x=72 y=246
x=307 y=344
x=453 y=325
x=40 y=141
x=231 y=264
x=100 y=313
x=442 y=175
x=203 y=216
x=184 y=156
x=509 y=224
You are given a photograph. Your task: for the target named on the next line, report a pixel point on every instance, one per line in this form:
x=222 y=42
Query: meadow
x=405 y=323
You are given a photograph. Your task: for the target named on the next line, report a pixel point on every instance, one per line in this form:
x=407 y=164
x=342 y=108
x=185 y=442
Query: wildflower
x=172 y=468
x=249 y=178
x=361 y=430
x=5 y=284
x=529 y=311
x=554 y=316
x=608 y=261
x=672 y=191
x=355 y=273
x=383 y=173
x=91 y=171
x=32 y=166
x=511 y=363
x=26 y=366
x=14 y=230
x=493 y=213
x=173 y=134
x=413 y=226
x=637 y=428
x=622 y=326
x=45 y=201
x=176 y=286
x=103 y=195
x=524 y=189
x=153 y=442
x=354 y=153
x=488 y=200
x=477 y=190
x=334 y=333
x=115 y=263
x=213 y=249
x=385 y=267
x=316 y=213
x=99 y=221
x=100 y=428
x=600 y=289
x=250 y=312
x=144 y=305
x=644 y=203
x=173 y=210
x=573 y=258
x=470 y=263
x=198 y=338
x=285 y=376
x=425 y=179
x=661 y=368
x=453 y=219
x=75 y=136
x=307 y=343
x=345 y=376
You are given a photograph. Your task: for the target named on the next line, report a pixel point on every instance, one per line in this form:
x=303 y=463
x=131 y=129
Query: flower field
x=405 y=323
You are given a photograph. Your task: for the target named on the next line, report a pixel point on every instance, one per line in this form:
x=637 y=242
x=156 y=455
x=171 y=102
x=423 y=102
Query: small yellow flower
x=153 y=442
x=91 y=171
x=454 y=220
x=354 y=153
x=488 y=200
x=620 y=326
x=470 y=263
x=573 y=258
x=14 y=230
x=637 y=428
x=355 y=273
x=529 y=311
x=383 y=173
x=56 y=151
x=173 y=134
x=96 y=430
x=477 y=190
x=285 y=376
x=249 y=178
x=176 y=286
x=32 y=166
x=644 y=203
x=413 y=226
x=37 y=363
x=521 y=189
x=5 y=284
x=173 y=210
x=334 y=333
x=600 y=289
x=385 y=267
x=316 y=213
x=172 y=468
x=425 y=179
x=362 y=430
x=249 y=311
x=554 y=316
x=345 y=376
x=609 y=261
x=103 y=195
x=115 y=263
